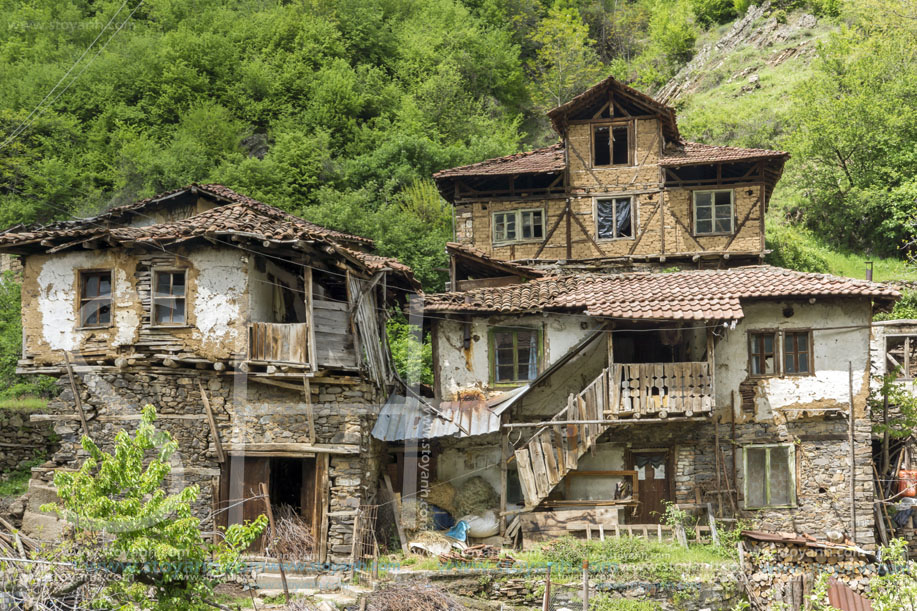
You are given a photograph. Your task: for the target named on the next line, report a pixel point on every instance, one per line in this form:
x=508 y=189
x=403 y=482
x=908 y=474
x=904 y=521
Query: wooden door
x=653 y=486
x=245 y=475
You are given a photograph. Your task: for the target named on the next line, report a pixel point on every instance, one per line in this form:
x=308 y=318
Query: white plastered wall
x=833 y=350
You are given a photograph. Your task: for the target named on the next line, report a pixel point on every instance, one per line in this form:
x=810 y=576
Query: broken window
x=95 y=298
x=611 y=145
x=614 y=218
x=770 y=476
x=169 y=298
x=761 y=349
x=901 y=355
x=797 y=350
x=713 y=212
x=515 y=355
x=518 y=225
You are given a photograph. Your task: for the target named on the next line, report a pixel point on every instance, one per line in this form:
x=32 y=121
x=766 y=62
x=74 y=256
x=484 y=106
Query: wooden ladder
x=555 y=449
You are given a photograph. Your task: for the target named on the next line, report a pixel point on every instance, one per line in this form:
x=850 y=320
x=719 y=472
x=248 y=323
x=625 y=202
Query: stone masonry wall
x=22 y=440
x=822 y=470
x=245 y=413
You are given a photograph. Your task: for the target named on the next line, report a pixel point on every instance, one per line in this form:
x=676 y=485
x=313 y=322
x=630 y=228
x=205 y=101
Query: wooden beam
x=305 y=448
x=76 y=394
x=396 y=509
x=270 y=518
x=214 y=431
x=310 y=416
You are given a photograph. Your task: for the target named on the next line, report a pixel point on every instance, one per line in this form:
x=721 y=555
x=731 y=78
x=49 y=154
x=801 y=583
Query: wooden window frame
x=732 y=212
x=907 y=367
x=492 y=355
x=779 y=354
x=633 y=216
x=80 y=300
x=791 y=467
x=810 y=347
x=153 y=283
x=518 y=214
x=631 y=143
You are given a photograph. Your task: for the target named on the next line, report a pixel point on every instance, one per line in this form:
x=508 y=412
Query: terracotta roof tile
x=470 y=253
x=547 y=159
x=695 y=153
x=687 y=295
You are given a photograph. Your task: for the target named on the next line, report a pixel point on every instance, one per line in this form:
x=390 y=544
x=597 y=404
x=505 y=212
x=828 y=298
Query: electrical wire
x=32 y=117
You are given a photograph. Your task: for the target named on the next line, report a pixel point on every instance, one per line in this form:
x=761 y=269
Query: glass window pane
x=90 y=312
x=91 y=285
x=505 y=373
x=161 y=312
x=704 y=213
x=755 y=477
x=768 y=342
x=780 y=476
x=723 y=225
x=162 y=283
x=510 y=226
x=537 y=225
x=704 y=226
x=723 y=198
x=803 y=363
x=104 y=313
x=105 y=284
x=178 y=283
x=702 y=199
x=178 y=314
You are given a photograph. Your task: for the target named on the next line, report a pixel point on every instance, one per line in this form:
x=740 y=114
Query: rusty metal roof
x=405 y=417
x=841 y=596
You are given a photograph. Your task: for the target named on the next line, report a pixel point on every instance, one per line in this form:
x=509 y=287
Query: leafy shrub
x=711 y=12
x=905 y=308
x=412 y=352
x=791 y=247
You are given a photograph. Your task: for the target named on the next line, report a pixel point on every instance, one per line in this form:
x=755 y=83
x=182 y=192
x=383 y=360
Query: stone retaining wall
x=22 y=440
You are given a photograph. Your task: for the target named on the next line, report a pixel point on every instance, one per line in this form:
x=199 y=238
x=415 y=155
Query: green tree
x=126 y=524
x=565 y=61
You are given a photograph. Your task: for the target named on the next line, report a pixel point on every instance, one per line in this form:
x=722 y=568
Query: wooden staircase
x=621 y=391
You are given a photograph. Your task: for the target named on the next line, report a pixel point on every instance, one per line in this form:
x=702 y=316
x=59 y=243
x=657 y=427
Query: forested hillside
x=339 y=110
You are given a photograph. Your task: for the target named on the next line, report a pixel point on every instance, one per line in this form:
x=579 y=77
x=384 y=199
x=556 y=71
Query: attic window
x=611 y=145
x=169 y=298
x=95 y=298
x=614 y=218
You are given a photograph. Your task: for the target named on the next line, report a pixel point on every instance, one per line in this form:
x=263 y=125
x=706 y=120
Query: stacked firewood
x=780 y=571
x=475 y=554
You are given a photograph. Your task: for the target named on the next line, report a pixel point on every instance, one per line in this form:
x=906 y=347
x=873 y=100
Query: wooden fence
x=279 y=342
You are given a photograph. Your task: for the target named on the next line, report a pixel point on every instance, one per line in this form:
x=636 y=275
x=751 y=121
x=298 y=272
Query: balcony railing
x=279 y=342
x=658 y=390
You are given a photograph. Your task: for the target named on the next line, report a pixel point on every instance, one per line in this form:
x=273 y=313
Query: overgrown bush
x=792 y=248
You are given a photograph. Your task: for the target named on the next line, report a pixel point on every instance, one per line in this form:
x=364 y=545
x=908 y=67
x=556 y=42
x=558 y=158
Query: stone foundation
x=22 y=440
x=245 y=413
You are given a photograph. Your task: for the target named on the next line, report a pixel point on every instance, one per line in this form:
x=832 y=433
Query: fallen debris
x=416 y=596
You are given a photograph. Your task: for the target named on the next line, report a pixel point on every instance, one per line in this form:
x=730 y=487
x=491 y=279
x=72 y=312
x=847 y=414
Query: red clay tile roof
x=687 y=295
x=695 y=153
x=666 y=113
x=547 y=159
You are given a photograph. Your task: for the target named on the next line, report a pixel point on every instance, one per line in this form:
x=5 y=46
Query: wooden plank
x=310 y=317
x=539 y=470
x=547 y=447
x=396 y=509
x=266 y=448
x=310 y=416
x=526 y=477
x=214 y=431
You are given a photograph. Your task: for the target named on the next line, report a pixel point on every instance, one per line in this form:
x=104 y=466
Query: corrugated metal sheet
x=840 y=596
x=803 y=539
x=405 y=418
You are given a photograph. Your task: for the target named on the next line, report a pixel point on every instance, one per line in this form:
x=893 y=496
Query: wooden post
x=585 y=585
x=714 y=534
x=76 y=394
x=214 y=431
x=310 y=317
x=355 y=543
x=396 y=509
x=885 y=457
x=504 y=476
x=310 y=416
x=546 y=602
x=716 y=460
x=850 y=424
x=270 y=519
x=735 y=449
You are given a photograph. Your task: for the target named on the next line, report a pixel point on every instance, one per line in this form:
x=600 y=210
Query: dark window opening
x=169 y=298
x=620 y=150
x=286 y=485
x=901 y=356
x=601 y=146
x=95 y=299
x=614 y=218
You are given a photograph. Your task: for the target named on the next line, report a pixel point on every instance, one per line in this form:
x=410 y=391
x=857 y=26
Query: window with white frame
x=770 y=475
x=614 y=218
x=713 y=212
x=518 y=225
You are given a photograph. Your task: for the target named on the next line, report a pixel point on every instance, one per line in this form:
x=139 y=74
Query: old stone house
x=613 y=342
x=257 y=335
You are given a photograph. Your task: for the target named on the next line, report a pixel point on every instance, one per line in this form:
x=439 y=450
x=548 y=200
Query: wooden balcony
x=281 y=343
x=657 y=390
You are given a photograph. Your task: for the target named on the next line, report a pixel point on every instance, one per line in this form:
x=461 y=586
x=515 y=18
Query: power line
x=32 y=115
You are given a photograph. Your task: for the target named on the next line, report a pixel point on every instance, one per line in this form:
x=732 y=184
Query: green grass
x=16 y=482
x=24 y=404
